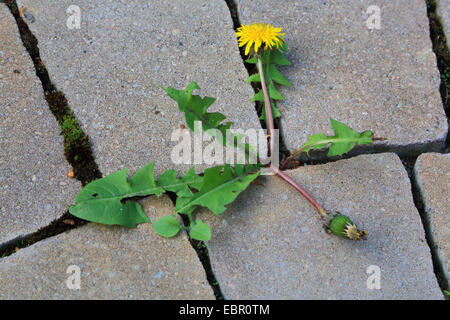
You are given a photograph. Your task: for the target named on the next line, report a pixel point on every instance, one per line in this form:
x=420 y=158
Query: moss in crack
x=76 y=144
x=72 y=133
x=441 y=49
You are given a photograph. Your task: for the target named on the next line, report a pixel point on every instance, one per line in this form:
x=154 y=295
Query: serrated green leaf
x=193 y=86
x=167 y=226
x=101 y=200
x=172 y=183
x=200 y=231
x=272 y=75
x=192 y=179
x=275 y=112
x=278 y=57
x=342 y=142
x=346 y=138
x=253 y=60
x=316 y=141
x=277 y=77
x=240 y=169
x=254 y=78
x=143 y=182
x=221 y=185
x=195 y=109
x=259 y=96
x=104 y=200
x=273 y=92
x=184 y=202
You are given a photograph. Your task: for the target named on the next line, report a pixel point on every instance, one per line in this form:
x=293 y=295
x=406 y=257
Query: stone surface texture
x=34 y=188
x=110 y=70
x=115 y=263
x=270 y=243
x=382 y=80
x=432 y=176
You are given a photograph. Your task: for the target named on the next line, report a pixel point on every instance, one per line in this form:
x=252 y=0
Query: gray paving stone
x=432 y=175
x=382 y=80
x=111 y=69
x=34 y=188
x=269 y=244
x=443 y=11
x=114 y=262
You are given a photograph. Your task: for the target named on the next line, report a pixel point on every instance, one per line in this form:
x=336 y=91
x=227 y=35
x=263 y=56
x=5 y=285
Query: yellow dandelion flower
x=258 y=34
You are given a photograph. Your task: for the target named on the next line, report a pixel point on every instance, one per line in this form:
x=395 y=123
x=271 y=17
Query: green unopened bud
x=343 y=227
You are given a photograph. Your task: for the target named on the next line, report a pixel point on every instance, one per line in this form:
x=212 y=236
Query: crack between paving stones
x=77 y=148
x=442 y=52
x=202 y=253
x=438 y=267
x=63 y=224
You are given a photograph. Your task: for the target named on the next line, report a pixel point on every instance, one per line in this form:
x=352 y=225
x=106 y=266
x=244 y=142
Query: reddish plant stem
x=267 y=106
x=271 y=127
x=292 y=156
x=304 y=193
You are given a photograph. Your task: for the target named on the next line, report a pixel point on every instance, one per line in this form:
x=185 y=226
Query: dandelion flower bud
x=343 y=227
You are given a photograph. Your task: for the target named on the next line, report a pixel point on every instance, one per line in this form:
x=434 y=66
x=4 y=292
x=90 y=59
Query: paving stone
x=382 y=80
x=111 y=69
x=34 y=188
x=115 y=263
x=432 y=175
x=443 y=11
x=270 y=244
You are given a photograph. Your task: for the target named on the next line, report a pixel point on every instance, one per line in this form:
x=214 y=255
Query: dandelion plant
x=112 y=199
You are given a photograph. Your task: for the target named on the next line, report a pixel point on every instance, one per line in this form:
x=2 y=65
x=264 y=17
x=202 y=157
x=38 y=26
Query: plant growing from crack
x=112 y=200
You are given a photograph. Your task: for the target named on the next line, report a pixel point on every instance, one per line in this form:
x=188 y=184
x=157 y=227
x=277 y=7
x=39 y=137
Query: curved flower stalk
x=259 y=40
